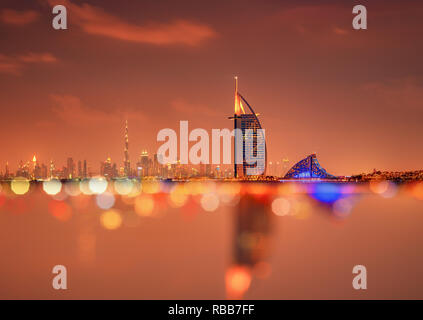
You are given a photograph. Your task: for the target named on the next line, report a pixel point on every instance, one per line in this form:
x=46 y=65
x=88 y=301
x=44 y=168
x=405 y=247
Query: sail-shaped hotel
x=251 y=131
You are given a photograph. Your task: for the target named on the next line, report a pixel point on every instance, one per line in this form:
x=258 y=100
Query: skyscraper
x=126 y=162
x=208 y=170
x=108 y=169
x=52 y=169
x=250 y=127
x=79 y=169
x=156 y=165
x=7 y=174
x=34 y=167
x=84 y=173
x=144 y=164
x=70 y=170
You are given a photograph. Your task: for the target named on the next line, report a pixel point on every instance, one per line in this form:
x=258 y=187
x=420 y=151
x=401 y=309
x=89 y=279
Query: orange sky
x=354 y=97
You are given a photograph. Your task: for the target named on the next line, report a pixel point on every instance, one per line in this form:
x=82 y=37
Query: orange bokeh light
x=238 y=280
x=60 y=210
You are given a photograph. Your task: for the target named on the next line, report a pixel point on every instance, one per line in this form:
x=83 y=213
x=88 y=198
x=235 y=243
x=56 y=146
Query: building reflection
x=251 y=243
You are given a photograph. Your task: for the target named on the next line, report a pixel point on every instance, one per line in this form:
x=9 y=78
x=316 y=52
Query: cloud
x=94 y=20
x=37 y=58
x=18 y=18
x=340 y=31
x=9 y=66
x=70 y=110
x=14 y=65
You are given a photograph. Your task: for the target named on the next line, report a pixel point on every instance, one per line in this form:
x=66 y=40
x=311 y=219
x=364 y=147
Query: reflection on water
x=252 y=228
x=199 y=239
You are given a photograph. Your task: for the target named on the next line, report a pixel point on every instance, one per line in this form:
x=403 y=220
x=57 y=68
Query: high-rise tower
x=7 y=174
x=126 y=162
x=70 y=171
x=251 y=131
x=84 y=172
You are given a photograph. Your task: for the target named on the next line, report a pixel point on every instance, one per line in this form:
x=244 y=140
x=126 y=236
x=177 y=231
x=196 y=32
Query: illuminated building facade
x=251 y=131
x=126 y=162
x=108 y=169
x=308 y=168
x=70 y=169
x=144 y=165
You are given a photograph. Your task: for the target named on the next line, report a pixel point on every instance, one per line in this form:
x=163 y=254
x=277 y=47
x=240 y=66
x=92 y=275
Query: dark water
x=204 y=240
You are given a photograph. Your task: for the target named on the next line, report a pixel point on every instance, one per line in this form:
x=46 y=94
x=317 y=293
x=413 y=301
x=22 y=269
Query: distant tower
x=143 y=165
x=52 y=169
x=70 y=172
x=6 y=175
x=156 y=165
x=107 y=168
x=79 y=169
x=34 y=166
x=202 y=170
x=84 y=173
x=126 y=162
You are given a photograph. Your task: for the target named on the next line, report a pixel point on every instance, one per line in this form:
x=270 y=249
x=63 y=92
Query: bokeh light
x=52 y=187
x=300 y=208
x=326 y=192
x=238 y=280
x=210 y=202
x=417 y=190
x=136 y=189
x=98 y=185
x=229 y=193
x=385 y=189
x=60 y=210
x=342 y=207
x=195 y=188
x=177 y=197
x=281 y=206
x=144 y=205
x=72 y=188
x=150 y=187
x=111 y=219
x=105 y=200
x=391 y=191
x=19 y=185
x=60 y=196
x=378 y=187
x=84 y=187
x=123 y=186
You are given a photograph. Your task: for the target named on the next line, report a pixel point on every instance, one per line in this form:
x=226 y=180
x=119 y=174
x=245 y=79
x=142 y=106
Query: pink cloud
x=340 y=31
x=19 y=18
x=9 y=66
x=96 y=21
x=14 y=65
x=37 y=58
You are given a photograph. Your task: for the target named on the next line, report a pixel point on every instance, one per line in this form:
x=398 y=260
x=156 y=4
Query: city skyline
x=253 y=146
x=332 y=91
